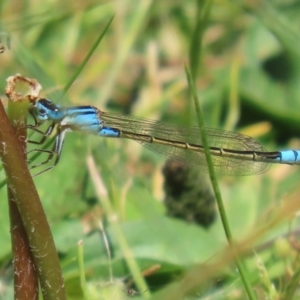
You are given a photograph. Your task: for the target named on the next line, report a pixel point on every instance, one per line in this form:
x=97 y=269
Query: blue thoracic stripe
x=86 y=110
x=83 y=107
x=109 y=132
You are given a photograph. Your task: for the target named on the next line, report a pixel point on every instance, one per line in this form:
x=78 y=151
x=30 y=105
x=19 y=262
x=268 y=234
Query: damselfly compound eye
x=42 y=111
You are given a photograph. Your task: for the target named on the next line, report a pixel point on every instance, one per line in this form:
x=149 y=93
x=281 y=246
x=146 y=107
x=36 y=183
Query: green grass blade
x=84 y=62
x=215 y=185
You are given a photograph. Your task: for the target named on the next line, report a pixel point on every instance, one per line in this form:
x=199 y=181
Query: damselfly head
x=42 y=109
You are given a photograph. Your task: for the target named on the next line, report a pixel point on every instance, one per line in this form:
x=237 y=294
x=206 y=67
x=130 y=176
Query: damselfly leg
x=53 y=154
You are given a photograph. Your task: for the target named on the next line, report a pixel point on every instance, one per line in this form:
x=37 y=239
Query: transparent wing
x=216 y=138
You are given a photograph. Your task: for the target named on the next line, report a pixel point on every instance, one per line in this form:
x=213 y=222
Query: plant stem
x=216 y=189
x=21 y=187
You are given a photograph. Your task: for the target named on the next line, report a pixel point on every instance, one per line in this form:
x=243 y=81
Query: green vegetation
x=108 y=193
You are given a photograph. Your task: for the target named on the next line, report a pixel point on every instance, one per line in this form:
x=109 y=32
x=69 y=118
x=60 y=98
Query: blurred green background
x=247 y=75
